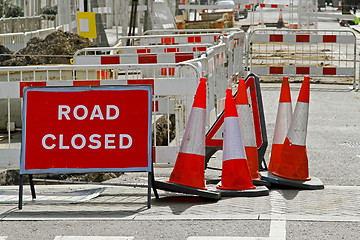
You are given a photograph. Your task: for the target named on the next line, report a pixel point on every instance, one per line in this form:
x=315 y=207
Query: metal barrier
x=174 y=39
x=190 y=31
x=173 y=97
x=106 y=51
x=17 y=41
x=220 y=64
x=20 y=24
x=317 y=53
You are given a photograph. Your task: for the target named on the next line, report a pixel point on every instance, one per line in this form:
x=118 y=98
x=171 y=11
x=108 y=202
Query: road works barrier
x=317 y=53
x=220 y=64
x=173 y=39
x=173 y=96
x=214 y=136
x=17 y=41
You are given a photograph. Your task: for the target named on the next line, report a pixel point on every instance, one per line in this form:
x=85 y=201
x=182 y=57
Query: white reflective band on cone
x=246 y=122
x=233 y=147
x=298 y=128
x=194 y=136
x=283 y=121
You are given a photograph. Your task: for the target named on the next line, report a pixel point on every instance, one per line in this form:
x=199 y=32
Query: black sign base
x=312 y=184
x=174 y=187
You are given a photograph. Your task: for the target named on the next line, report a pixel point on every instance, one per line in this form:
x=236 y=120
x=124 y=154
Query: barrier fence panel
x=17 y=41
x=20 y=24
x=174 y=39
x=190 y=31
x=221 y=65
x=140 y=49
x=317 y=53
x=172 y=100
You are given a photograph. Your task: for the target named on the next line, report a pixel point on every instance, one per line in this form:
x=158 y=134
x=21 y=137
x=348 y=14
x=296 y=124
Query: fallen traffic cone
x=293 y=162
x=188 y=175
x=283 y=120
x=235 y=179
x=280 y=22
x=189 y=169
x=292 y=169
x=246 y=121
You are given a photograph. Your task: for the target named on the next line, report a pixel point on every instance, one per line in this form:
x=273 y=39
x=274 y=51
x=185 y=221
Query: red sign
x=86 y=129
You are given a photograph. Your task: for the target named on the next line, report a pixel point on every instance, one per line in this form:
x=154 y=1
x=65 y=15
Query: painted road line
x=92 y=238
x=277 y=224
x=278 y=219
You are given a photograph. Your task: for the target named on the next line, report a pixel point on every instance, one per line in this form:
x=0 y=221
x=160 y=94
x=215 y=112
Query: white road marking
x=92 y=238
x=277 y=224
x=278 y=219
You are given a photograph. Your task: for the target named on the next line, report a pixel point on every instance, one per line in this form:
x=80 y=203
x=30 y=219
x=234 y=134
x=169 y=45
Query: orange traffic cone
x=189 y=169
x=280 y=22
x=246 y=121
x=235 y=170
x=283 y=120
x=293 y=162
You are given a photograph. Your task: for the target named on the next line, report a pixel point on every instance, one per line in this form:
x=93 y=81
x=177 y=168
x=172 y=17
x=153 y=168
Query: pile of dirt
x=57 y=48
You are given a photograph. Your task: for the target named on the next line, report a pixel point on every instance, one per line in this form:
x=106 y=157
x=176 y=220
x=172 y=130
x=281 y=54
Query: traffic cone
x=246 y=121
x=189 y=169
x=293 y=162
x=280 y=22
x=283 y=120
x=235 y=169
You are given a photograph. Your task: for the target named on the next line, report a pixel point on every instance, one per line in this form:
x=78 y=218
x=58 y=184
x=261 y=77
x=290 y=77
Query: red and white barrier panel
x=213 y=7
x=180 y=39
x=142 y=58
x=166 y=49
x=263 y=5
x=302 y=38
x=303 y=70
x=161 y=86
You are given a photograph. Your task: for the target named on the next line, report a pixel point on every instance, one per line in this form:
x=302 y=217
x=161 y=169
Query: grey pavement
x=334 y=157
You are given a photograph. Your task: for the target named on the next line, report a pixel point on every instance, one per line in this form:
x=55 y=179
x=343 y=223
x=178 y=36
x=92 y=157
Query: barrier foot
x=256 y=192
x=313 y=184
x=174 y=187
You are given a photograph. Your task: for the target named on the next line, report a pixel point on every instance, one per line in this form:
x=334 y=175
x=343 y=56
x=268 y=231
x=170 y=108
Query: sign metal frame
x=149 y=168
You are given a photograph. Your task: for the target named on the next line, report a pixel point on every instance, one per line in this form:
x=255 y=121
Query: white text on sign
x=95 y=141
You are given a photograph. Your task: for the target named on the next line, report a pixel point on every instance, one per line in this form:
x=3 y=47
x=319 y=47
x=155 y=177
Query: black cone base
x=312 y=184
x=257 y=192
x=174 y=187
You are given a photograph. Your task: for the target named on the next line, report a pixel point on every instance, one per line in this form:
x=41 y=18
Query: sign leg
x=21 y=192
x=154 y=186
x=149 y=189
x=32 y=186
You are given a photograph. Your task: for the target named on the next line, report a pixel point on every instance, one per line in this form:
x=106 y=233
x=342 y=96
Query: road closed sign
x=83 y=129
